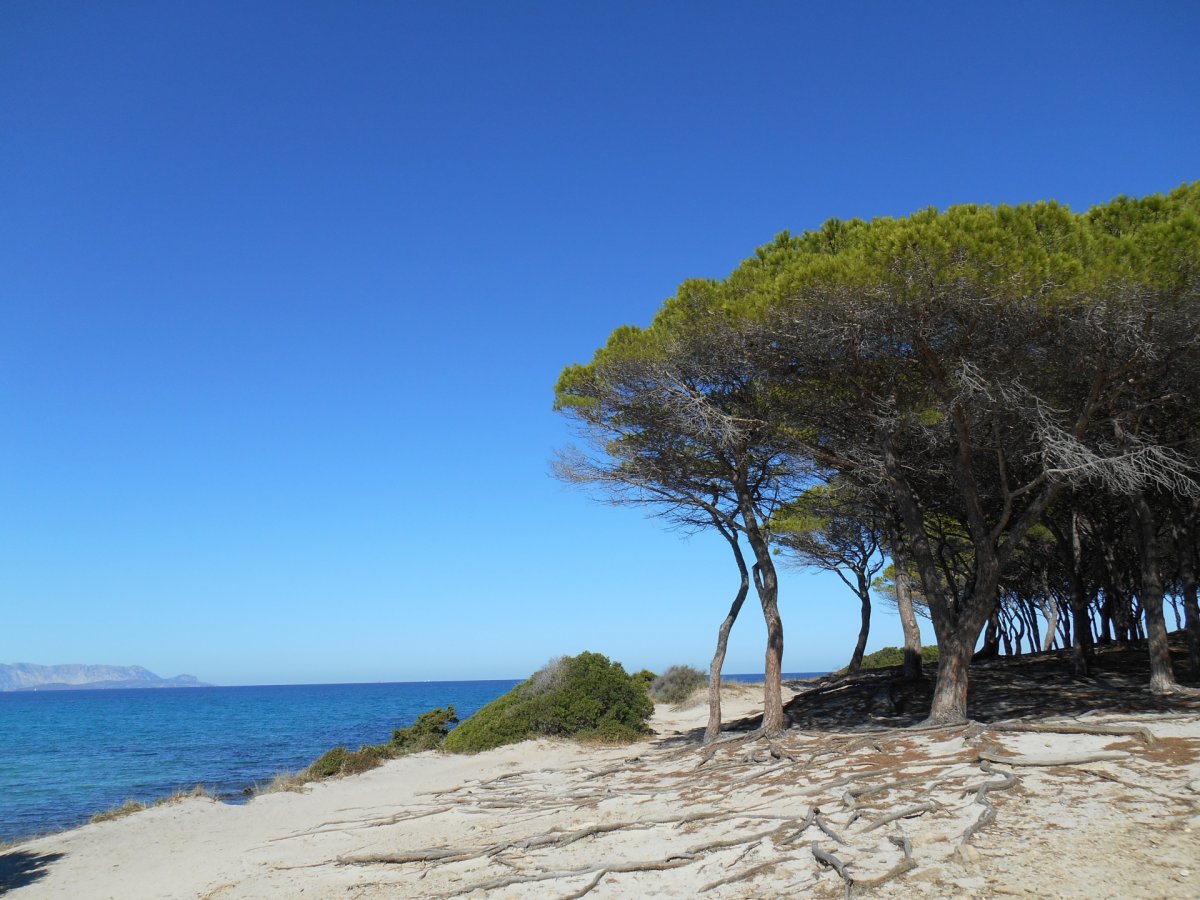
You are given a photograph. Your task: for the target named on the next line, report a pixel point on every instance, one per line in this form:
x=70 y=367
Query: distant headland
x=75 y=677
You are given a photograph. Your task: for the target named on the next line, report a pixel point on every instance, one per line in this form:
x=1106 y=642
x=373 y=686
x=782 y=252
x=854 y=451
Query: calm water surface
x=67 y=754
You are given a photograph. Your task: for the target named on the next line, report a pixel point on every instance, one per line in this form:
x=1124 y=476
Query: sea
x=65 y=755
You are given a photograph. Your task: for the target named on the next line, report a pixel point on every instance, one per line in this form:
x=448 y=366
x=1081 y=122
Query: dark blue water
x=65 y=755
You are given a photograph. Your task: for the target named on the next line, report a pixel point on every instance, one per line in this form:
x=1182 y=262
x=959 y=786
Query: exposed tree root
x=746 y=875
x=905 y=865
x=495 y=884
x=906 y=813
x=1140 y=731
x=587 y=888
x=828 y=859
x=824 y=826
x=1066 y=759
x=988 y=816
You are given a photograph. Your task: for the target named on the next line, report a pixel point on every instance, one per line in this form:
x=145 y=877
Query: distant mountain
x=31 y=677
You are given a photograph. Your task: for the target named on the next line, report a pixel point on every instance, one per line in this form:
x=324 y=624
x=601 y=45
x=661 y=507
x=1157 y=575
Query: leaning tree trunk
x=1162 y=674
x=713 y=728
x=864 y=628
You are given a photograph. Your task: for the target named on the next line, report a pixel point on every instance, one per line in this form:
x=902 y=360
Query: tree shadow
x=19 y=868
x=1031 y=686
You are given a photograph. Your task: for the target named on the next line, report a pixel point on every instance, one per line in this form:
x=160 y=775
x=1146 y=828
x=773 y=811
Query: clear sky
x=285 y=288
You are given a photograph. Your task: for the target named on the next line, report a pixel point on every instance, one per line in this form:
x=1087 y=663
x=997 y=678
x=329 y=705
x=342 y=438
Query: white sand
x=1127 y=827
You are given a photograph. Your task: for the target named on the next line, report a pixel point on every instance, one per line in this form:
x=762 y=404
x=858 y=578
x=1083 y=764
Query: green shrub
x=426 y=733
x=365 y=758
x=327 y=764
x=677 y=684
x=646 y=677
x=894 y=656
x=585 y=696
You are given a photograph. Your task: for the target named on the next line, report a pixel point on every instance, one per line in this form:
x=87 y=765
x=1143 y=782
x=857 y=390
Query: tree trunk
x=713 y=729
x=950 y=694
x=908 y=620
x=1162 y=674
x=1070 y=548
x=864 y=628
x=958 y=620
x=991 y=638
x=766 y=582
x=1185 y=552
x=1052 y=616
x=1035 y=637
x=768 y=594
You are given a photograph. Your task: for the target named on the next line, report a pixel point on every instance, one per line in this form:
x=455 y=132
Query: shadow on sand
x=1031 y=686
x=19 y=868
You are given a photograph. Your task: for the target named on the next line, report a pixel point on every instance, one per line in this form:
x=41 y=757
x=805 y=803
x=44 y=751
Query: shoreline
x=145 y=786
x=1120 y=806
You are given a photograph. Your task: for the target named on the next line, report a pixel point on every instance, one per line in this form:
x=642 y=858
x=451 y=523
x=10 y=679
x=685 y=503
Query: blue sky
x=286 y=286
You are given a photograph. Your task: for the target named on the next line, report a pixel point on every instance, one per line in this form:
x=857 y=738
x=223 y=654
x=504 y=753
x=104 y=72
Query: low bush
x=677 y=684
x=894 y=656
x=586 y=697
x=646 y=677
x=426 y=733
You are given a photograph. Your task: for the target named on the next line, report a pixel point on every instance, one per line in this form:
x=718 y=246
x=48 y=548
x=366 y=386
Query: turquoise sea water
x=65 y=755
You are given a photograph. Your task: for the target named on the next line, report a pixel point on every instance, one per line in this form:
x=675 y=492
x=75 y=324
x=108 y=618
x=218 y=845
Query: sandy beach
x=1071 y=802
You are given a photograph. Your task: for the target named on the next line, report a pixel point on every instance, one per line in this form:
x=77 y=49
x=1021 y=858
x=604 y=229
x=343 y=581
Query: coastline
x=665 y=817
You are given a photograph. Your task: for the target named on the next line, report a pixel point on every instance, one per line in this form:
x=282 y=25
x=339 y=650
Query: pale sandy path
x=556 y=819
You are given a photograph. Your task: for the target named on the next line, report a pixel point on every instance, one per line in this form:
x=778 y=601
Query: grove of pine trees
x=1000 y=403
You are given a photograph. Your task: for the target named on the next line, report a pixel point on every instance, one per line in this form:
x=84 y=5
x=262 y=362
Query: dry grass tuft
x=129 y=807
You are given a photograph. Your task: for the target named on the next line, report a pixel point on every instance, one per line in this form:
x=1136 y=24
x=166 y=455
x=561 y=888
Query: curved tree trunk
x=766 y=583
x=713 y=729
x=864 y=628
x=1050 y=610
